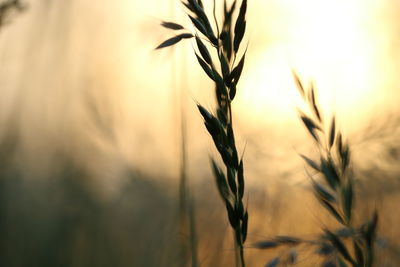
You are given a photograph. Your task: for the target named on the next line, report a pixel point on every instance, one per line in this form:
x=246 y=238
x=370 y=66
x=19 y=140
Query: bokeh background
x=101 y=144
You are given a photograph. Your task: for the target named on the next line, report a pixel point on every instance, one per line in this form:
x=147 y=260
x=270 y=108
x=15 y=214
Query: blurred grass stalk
x=187 y=213
x=186 y=200
x=336 y=190
x=333 y=186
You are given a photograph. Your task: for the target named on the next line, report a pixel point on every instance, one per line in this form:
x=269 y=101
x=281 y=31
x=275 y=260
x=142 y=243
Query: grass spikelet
x=231 y=184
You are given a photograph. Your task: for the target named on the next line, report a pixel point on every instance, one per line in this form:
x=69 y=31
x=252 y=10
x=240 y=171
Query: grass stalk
x=219 y=123
x=336 y=190
x=333 y=186
x=193 y=233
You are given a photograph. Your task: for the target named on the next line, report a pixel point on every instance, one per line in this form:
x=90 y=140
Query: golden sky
x=61 y=55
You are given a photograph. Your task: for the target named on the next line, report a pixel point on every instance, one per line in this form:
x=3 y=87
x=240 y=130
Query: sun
x=328 y=44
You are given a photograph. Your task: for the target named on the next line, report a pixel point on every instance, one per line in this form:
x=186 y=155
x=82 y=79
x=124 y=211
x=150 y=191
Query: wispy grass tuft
x=335 y=191
x=333 y=186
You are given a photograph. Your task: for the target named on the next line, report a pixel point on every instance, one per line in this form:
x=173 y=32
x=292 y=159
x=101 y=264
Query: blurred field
x=90 y=132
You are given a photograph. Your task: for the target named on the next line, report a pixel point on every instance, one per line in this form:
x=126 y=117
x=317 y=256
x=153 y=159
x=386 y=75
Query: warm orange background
x=80 y=80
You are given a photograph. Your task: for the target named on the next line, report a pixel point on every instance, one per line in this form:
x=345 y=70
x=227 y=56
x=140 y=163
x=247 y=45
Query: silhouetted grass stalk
x=226 y=42
x=336 y=190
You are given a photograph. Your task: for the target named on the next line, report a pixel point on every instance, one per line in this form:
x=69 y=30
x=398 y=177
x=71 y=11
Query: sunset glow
x=331 y=45
x=132 y=134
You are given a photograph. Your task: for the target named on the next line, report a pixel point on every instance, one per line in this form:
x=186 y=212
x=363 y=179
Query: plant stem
x=230 y=184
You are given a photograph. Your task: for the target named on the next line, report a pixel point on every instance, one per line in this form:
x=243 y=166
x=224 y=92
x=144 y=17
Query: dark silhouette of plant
x=335 y=191
x=226 y=40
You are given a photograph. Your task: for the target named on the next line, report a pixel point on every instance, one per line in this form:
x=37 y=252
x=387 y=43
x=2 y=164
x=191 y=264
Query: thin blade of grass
x=205 y=67
x=233 y=219
x=172 y=25
x=298 y=83
x=314 y=104
x=338 y=244
x=237 y=71
x=203 y=51
x=331 y=209
x=311 y=163
x=311 y=126
x=245 y=225
x=332 y=132
x=174 y=40
x=220 y=181
x=240 y=26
